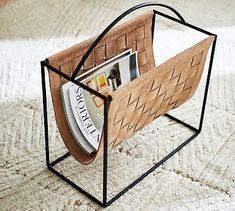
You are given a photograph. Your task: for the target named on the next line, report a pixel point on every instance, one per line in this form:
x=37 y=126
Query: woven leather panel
x=156 y=92
x=159 y=90
x=135 y=34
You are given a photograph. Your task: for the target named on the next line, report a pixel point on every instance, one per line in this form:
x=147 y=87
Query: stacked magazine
x=84 y=110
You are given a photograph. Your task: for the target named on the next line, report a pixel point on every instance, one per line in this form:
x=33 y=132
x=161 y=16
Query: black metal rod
x=207 y=83
x=44 y=96
x=105 y=203
x=49 y=165
x=105 y=154
x=152 y=168
x=111 y=25
x=181 y=122
x=153 y=26
x=183 y=23
x=46 y=64
x=60 y=159
x=75 y=186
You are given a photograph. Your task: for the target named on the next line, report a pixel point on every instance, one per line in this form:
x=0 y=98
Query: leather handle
x=111 y=25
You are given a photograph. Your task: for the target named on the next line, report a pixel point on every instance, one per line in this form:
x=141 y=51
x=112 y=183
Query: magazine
x=86 y=108
x=77 y=134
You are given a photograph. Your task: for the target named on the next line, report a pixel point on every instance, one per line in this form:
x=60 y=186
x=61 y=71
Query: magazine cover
x=82 y=117
x=76 y=132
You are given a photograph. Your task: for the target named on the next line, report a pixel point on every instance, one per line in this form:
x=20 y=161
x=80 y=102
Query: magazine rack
x=133 y=106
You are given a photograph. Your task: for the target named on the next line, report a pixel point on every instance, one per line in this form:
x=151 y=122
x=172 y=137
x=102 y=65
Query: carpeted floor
x=199 y=177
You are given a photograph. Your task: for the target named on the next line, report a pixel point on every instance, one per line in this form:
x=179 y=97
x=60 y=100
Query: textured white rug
x=199 y=177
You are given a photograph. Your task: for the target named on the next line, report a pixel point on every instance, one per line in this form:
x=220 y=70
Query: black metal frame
x=107 y=100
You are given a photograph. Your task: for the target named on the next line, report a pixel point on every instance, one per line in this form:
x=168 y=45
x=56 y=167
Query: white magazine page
x=104 y=64
x=129 y=69
x=72 y=122
x=82 y=117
